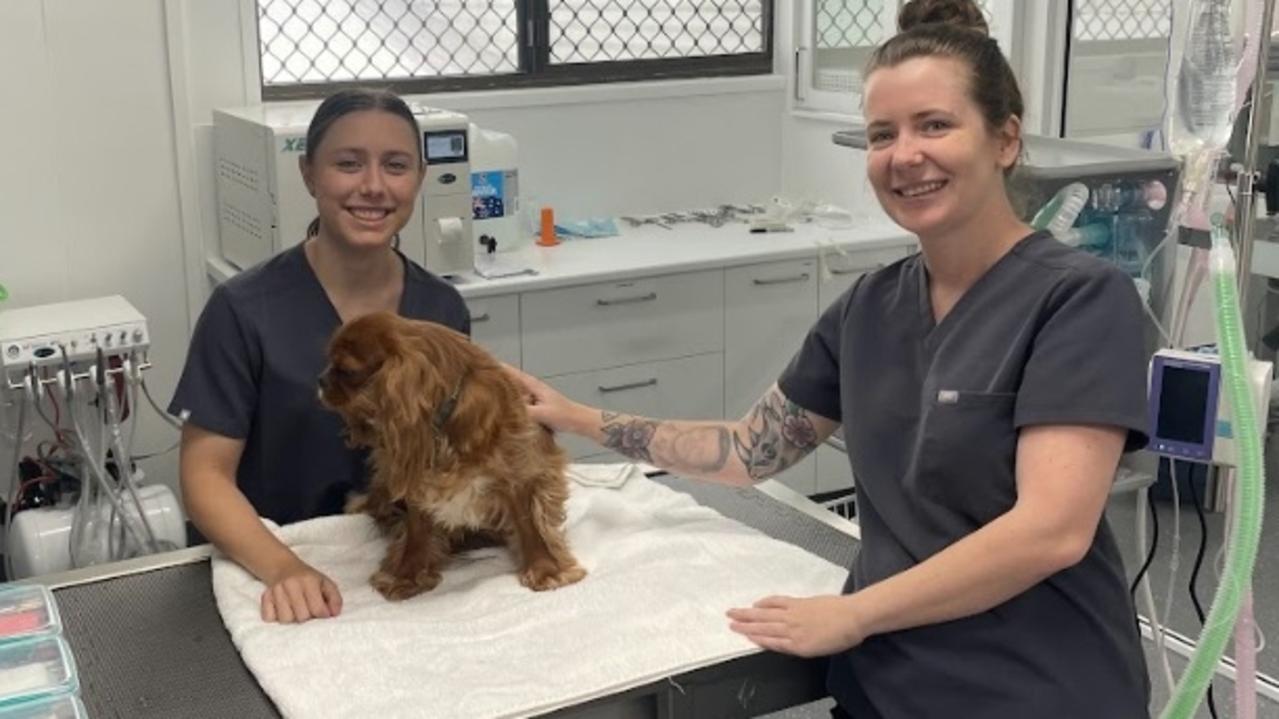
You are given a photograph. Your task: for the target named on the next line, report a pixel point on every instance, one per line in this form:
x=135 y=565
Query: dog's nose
x=323 y=380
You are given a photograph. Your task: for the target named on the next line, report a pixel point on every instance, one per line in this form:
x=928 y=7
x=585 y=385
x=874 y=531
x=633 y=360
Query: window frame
x=533 y=40
x=1010 y=23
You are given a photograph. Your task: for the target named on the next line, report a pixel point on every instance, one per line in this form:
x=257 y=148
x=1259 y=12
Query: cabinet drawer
x=495 y=326
x=833 y=470
x=611 y=324
x=840 y=271
x=769 y=308
x=688 y=388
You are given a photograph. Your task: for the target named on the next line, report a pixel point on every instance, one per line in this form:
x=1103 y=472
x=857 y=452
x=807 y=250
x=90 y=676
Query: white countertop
x=650 y=250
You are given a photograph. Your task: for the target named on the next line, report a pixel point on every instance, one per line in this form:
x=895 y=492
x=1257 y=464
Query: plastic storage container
x=39 y=668
x=27 y=611
x=495 y=190
x=67 y=706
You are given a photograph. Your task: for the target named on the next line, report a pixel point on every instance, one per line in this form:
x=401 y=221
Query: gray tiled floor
x=1121 y=515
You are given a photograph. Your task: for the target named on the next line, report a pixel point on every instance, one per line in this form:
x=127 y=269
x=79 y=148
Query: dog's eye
x=350 y=377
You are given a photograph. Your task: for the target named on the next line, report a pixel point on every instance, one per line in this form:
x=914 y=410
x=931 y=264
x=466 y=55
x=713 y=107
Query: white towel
x=663 y=570
x=611 y=476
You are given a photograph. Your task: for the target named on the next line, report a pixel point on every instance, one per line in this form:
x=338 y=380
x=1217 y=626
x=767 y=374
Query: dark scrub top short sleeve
x=223 y=361
x=1088 y=361
x=931 y=413
x=811 y=380
x=251 y=372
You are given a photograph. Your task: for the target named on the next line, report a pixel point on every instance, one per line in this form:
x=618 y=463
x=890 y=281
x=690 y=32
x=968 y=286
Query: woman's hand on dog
x=298 y=592
x=548 y=407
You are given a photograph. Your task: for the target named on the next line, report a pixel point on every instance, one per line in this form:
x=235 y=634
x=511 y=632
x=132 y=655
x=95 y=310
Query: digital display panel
x=1183 y=405
x=445 y=146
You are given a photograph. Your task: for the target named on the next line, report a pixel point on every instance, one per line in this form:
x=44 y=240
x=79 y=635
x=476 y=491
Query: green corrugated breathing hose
x=1245 y=531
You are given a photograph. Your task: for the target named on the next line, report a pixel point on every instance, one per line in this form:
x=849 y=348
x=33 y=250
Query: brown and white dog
x=455 y=456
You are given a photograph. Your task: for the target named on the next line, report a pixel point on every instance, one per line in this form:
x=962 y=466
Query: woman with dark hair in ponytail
x=257 y=442
x=986 y=386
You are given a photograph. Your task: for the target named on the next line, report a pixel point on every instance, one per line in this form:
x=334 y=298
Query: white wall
x=108 y=183
x=88 y=200
x=619 y=157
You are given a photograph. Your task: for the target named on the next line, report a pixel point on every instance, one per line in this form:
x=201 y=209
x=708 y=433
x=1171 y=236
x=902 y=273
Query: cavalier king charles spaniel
x=455 y=458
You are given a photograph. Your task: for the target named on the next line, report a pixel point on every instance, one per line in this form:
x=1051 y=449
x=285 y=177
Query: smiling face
x=935 y=165
x=364 y=176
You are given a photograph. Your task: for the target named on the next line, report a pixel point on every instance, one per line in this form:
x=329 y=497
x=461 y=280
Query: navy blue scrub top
x=251 y=372
x=931 y=414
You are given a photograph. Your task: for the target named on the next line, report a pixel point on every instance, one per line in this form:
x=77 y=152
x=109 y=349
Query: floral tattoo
x=775 y=435
x=778 y=434
x=630 y=436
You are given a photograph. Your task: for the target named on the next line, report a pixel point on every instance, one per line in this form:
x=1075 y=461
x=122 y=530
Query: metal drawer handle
x=480 y=318
x=782 y=280
x=858 y=270
x=627 y=300
x=650 y=382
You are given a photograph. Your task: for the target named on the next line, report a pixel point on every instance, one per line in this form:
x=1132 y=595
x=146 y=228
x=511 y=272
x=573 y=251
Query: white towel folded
x=663 y=569
x=611 y=476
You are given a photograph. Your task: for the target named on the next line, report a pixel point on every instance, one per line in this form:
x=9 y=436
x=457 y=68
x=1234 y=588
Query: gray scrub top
x=251 y=372
x=931 y=413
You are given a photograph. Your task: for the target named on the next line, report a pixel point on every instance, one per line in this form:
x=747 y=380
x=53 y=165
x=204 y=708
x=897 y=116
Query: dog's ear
x=483 y=405
x=406 y=388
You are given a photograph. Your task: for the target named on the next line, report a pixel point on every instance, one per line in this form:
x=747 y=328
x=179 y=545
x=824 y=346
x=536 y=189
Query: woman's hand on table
x=299 y=592
x=806 y=627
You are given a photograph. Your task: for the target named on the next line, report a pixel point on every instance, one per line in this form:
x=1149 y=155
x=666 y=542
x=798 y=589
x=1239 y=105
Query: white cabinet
x=768 y=309
x=686 y=388
x=495 y=326
x=841 y=269
x=611 y=324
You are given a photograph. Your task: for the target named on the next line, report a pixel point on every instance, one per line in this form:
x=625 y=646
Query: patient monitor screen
x=1183 y=405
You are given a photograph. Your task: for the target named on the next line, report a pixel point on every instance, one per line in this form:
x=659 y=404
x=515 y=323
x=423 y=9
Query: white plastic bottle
x=495 y=190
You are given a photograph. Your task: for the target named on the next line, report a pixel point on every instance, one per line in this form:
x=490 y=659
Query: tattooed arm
x=773 y=436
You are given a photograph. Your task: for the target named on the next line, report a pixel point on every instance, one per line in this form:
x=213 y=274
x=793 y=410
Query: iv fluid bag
x=1206 y=81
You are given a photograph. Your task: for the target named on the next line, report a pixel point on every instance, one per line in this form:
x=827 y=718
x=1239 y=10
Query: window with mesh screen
x=611 y=30
x=1115 y=77
x=1122 y=20
x=310 y=46
x=845 y=32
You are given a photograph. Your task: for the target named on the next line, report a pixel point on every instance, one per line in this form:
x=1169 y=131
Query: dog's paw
x=397 y=588
x=543 y=576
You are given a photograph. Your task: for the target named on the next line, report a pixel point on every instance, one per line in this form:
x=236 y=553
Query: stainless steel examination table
x=149 y=642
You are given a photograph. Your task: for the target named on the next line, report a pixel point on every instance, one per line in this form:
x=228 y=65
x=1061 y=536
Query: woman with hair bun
x=986 y=386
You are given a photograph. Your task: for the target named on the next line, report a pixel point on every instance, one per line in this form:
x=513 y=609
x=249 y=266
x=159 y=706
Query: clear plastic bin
x=27 y=611
x=36 y=668
x=67 y=706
